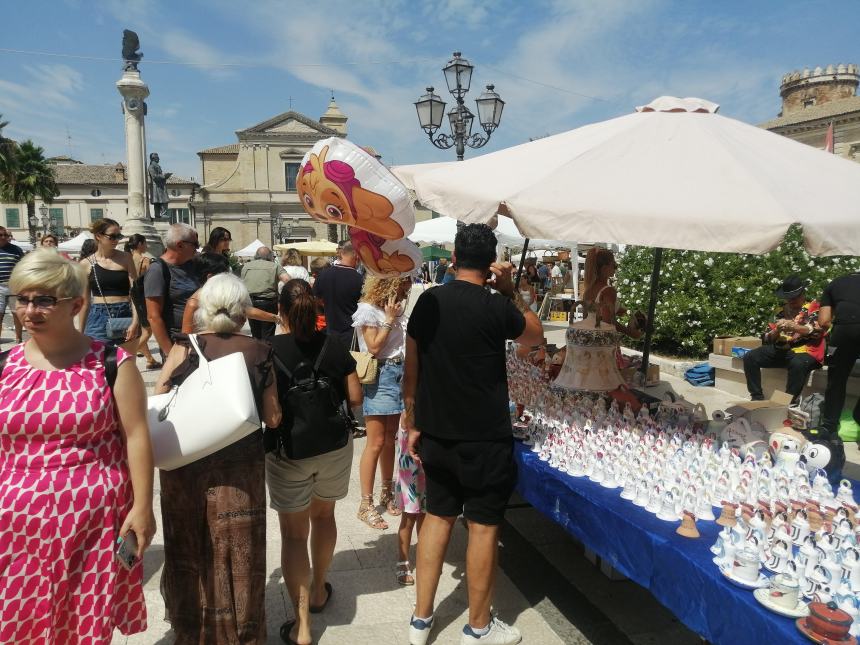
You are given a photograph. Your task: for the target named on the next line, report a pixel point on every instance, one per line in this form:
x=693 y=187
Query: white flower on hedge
x=740 y=289
x=709 y=262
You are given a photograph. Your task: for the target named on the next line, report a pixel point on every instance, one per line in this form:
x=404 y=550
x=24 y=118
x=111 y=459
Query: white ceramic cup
x=784 y=591
x=746 y=565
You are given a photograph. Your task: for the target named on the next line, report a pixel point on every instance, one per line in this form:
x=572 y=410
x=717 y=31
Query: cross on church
x=291 y=102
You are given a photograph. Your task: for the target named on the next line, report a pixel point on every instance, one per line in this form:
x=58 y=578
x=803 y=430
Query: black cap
x=790 y=288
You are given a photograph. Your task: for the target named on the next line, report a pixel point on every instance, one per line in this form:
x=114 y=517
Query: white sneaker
x=499 y=634
x=419 y=630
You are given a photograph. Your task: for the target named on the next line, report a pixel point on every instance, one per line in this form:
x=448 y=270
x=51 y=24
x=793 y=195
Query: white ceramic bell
x=704 y=510
x=609 y=480
x=629 y=492
x=723 y=537
x=799 y=528
x=667 y=509
x=845 y=492
x=642 y=494
x=655 y=501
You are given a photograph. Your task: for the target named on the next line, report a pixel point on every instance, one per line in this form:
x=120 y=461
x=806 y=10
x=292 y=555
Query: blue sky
x=559 y=64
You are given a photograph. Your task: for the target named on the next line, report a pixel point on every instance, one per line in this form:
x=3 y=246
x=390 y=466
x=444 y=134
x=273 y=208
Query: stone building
x=249 y=187
x=89 y=192
x=812 y=100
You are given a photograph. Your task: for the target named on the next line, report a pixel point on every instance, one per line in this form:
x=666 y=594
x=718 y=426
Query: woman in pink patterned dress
x=75 y=471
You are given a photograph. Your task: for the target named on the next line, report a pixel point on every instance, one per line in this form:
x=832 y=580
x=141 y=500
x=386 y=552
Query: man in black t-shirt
x=339 y=288
x=456 y=398
x=840 y=304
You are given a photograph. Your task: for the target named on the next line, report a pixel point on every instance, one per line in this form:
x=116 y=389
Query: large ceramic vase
x=590 y=360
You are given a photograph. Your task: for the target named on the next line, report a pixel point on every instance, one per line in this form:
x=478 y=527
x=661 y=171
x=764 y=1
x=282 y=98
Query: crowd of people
x=77 y=466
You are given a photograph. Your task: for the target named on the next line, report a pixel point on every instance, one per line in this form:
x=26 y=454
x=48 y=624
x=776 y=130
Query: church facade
x=249 y=187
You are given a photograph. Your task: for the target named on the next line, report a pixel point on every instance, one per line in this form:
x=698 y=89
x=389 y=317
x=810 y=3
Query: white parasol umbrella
x=441 y=230
x=74 y=245
x=316 y=248
x=250 y=250
x=673 y=174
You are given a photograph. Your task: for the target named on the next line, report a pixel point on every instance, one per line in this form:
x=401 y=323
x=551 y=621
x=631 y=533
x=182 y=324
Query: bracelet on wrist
x=387 y=325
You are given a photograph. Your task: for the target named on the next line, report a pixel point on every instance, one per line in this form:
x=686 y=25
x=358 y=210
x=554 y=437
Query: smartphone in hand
x=126 y=551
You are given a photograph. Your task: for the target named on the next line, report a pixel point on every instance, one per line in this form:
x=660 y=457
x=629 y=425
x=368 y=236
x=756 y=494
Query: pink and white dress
x=64 y=492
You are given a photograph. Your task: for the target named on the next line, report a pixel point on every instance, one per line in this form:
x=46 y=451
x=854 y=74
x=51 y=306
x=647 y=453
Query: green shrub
x=702 y=295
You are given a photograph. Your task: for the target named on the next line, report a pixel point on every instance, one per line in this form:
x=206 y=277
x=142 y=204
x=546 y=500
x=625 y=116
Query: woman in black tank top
x=107 y=302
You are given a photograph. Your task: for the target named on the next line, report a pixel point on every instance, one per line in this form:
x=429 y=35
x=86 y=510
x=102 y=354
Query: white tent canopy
x=74 y=245
x=250 y=250
x=441 y=230
x=673 y=174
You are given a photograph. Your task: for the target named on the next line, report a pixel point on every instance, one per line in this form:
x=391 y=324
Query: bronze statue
x=130 y=56
x=158 y=187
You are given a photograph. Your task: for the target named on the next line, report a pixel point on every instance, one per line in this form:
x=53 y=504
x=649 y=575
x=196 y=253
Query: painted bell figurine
x=687 y=527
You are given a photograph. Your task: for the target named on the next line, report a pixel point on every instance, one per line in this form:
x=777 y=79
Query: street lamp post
x=431 y=110
x=46 y=221
x=280 y=231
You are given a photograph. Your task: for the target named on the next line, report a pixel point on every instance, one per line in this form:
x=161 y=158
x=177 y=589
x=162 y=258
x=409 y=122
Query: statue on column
x=158 y=186
x=130 y=56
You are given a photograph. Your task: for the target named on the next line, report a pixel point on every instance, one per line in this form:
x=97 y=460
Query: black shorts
x=475 y=478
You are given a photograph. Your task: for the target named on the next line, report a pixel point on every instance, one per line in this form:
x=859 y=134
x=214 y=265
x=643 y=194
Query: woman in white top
x=380 y=327
x=292 y=264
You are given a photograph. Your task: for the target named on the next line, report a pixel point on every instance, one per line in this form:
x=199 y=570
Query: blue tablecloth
x=678 y=571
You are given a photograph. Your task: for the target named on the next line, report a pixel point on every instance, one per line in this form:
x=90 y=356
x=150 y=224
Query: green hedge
x=702 y=295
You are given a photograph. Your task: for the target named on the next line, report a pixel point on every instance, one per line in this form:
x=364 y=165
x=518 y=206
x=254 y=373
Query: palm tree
x=7 y=158
x=32 y=178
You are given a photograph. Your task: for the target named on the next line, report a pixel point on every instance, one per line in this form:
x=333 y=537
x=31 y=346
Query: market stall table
x=678 y=571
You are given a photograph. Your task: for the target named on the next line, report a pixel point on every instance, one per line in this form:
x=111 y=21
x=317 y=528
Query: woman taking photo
x=304 y=491
x=136 y=245
x=110 y=276
x=214 y=509
x=380 y=324
x=75 y=470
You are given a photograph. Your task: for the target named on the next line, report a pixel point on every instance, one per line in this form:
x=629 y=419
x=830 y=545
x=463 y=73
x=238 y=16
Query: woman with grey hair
x=214 y=509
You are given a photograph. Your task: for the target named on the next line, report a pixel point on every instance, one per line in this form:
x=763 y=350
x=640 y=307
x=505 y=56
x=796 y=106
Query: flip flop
x=318 y=609
x=286 y=628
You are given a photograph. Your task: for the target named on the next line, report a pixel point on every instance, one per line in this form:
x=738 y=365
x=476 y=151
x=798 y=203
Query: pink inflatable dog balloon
x=340 y=183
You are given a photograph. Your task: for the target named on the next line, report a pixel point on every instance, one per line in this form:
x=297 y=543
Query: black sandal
x=329 y=590
x=286 y=628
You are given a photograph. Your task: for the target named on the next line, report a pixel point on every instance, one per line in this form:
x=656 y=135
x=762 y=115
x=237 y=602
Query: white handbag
x=213 y=408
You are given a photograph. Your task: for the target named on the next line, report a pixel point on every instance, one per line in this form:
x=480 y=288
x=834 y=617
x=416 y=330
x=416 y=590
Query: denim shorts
x=98 y=316
x=383 y=397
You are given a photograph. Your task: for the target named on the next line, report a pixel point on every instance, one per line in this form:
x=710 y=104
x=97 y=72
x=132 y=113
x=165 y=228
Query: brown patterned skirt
x=214 y=516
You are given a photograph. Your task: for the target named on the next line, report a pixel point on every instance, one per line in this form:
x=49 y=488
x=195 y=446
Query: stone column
x=134 y=91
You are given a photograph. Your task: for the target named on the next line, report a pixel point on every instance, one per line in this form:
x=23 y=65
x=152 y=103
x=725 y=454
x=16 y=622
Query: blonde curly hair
x=378 y=291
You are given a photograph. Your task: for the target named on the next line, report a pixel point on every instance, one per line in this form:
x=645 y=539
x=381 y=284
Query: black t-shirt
x=460 y=329
x=183 y=285
x=843 y=294
x=340 y=288
x=440 y=272
x=337 y=363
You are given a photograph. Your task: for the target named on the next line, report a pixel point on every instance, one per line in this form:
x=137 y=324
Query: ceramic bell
x=655 y=501
x=667 y=510
x=609 y=480
x=723 y=537
x=642 y=494
x=845 y=492
x=704 y=510
x=727 y=516
x=687 y=527
x=799 y=527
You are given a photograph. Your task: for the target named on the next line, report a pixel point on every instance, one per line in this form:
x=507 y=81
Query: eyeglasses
x=43 y=303
x=113 y=236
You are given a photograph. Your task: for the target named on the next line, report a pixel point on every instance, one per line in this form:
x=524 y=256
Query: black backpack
x=314 y=421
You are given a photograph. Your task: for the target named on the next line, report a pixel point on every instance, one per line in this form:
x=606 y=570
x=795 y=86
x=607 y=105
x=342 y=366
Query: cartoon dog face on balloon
x=339 y=183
